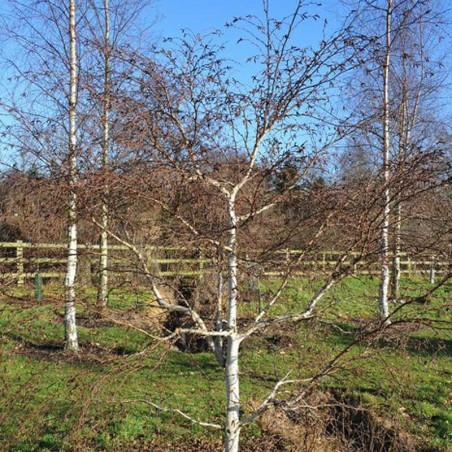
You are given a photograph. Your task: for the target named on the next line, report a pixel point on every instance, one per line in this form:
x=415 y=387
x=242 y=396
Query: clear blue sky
x=202 y=15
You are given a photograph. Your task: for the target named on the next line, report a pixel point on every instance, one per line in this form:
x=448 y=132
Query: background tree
x=110 y=26
x=103 y=262
x=417 y=84
x=48 y=58
x=36 y=101
x=407 y=92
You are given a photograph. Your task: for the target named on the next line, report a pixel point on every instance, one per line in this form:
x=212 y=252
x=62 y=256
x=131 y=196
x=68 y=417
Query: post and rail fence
x=21 y=261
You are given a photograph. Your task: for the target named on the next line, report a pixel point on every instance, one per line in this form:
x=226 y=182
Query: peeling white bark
x=69 y=316
x=384 y=284
x=218 y=340
x=395 y=289
x=232 y=426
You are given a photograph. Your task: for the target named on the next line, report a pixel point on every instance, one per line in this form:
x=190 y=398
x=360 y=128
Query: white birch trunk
x=102 y=292
x=395 y=289
x=232 y=427
x=233 y=395
x=384 y=284
x=69 y=317
x=403 y=147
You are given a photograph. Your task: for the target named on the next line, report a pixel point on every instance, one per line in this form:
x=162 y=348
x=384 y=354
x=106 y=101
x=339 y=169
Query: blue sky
x=202 y=15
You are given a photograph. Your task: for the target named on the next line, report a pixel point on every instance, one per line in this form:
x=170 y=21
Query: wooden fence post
x=20 y=263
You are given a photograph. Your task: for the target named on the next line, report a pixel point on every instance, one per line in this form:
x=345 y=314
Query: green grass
x=98 y=399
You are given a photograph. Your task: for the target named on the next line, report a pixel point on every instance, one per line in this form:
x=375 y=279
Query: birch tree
x=393 y=89
x=109 y=26
x=42 y=107
x=102 y=290
x=384 y=285
x=417 y=83
x=203 y=130
x=71 y=272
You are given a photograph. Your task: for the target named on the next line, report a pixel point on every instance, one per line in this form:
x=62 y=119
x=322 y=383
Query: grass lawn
x=100 y=398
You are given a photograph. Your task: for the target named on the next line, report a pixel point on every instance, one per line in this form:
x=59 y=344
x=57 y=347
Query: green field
x=398 y=381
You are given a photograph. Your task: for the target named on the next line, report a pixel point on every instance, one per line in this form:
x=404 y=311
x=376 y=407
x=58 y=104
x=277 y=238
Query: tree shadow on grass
x=89 y=353
x=403 y=336
x=429 y=346
x=418 y=345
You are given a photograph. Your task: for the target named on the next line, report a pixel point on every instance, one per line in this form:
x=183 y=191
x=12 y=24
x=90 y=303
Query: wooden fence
x=20 y=261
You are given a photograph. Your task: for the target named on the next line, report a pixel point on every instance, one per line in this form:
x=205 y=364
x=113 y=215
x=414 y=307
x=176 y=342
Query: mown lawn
x=102 y=397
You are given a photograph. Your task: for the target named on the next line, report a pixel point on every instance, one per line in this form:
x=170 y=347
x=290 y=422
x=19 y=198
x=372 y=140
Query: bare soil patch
x=333 y=422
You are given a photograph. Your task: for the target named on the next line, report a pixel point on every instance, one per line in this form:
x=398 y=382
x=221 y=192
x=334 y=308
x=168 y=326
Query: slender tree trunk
x=233 y=395
x=407 y=121
x=69 y=317
x=395 y=282
x=403 y=132
x=102 y=292
x=384 y=284
x=232 y=427
x=395 y=277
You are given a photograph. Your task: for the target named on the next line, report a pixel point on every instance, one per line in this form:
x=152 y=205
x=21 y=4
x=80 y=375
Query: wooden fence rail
x=20 y=261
